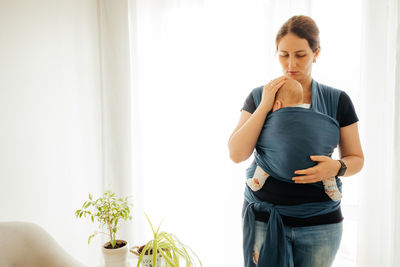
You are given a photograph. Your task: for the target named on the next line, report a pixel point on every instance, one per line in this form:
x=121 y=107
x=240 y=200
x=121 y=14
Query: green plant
x=107 y=210
x=169 y=246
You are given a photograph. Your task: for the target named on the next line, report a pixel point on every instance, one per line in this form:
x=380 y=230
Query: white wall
x=50 y=117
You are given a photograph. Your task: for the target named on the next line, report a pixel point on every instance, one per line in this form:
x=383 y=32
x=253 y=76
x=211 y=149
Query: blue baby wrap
x=290 y=135
x=288 y=138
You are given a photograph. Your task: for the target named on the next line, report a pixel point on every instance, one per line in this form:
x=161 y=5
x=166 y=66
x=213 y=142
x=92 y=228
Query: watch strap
x=342 y=169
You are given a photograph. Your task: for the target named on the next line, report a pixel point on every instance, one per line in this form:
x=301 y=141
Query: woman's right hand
x=269 y=92
x=244 y=138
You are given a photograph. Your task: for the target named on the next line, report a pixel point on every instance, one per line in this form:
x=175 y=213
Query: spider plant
x=169 y=247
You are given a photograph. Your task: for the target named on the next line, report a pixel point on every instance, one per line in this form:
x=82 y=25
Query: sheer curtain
x=194 y=63
x=378 y=242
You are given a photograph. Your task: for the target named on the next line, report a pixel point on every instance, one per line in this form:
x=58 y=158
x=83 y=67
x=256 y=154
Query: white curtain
x=379 y=235
x=115 y=87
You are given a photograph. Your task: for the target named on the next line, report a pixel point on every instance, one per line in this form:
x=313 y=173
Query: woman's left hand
x=325 y=168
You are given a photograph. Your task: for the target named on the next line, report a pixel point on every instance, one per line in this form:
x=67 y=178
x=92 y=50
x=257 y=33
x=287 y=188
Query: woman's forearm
x=242 y=142
x=350 y=150
x=354 y=164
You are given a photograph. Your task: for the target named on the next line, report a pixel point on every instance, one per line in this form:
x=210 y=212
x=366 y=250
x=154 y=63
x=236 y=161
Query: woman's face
x=296 y=57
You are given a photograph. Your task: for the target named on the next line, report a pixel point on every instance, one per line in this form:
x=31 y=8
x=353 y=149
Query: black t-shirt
x=283 y=193
x=346 y=113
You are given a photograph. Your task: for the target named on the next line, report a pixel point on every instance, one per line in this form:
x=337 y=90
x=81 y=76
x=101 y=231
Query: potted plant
x=164 y=249
x=108 y=211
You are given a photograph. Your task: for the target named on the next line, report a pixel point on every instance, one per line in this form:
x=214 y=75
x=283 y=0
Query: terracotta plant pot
x=115 y=257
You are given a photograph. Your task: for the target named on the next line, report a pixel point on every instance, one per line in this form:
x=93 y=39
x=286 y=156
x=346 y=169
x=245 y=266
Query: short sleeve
x=346 y=113
x=249 y=105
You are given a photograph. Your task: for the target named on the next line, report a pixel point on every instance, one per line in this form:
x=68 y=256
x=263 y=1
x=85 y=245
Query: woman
x=295 y=224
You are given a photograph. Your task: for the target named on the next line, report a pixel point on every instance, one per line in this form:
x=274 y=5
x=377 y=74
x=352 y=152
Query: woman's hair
x=302 y=26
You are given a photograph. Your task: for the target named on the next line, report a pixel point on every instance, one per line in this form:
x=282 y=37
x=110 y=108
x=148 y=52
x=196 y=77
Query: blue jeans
x=310 y=246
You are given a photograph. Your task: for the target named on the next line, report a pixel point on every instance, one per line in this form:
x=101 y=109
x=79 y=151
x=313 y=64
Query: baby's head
x=289 y=95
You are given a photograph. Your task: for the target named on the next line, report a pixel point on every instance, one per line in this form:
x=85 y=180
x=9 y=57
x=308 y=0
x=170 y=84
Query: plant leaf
x=152 y=229
x=155 y=252
x=90 y=237
x=168 y=259
x=144 y=250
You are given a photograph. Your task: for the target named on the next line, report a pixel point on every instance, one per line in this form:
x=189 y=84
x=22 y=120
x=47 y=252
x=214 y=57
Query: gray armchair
x=24 y=244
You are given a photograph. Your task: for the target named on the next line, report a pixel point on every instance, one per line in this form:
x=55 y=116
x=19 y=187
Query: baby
x=291 y=95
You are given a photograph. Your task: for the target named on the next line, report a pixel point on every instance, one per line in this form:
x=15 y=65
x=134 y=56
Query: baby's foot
x=334 y=195
x=258 y=180
x=253 y=184
x=331 y=189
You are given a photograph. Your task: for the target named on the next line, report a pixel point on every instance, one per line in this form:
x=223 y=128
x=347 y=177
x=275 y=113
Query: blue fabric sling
x=288 y=138
x=291 y=135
